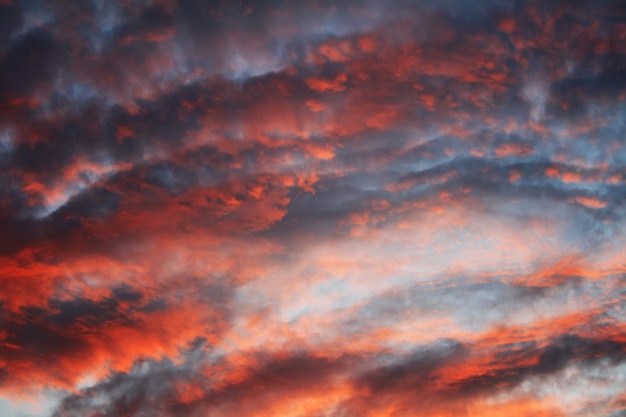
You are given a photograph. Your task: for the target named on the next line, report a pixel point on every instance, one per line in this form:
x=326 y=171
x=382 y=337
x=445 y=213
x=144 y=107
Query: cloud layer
x=272 y=208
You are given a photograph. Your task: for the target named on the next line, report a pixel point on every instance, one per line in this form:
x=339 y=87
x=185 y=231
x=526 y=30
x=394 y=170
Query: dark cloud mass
x=350 y=208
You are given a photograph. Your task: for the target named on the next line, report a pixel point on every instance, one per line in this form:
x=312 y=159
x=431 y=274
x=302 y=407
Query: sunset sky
x=273 y=208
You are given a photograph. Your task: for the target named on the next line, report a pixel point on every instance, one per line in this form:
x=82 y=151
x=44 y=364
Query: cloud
x=269 y=384
x=313 y=209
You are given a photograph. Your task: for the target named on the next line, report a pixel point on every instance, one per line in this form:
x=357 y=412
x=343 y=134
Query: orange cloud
x=591 y=202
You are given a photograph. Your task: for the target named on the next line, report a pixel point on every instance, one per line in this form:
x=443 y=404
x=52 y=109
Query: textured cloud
x=319 y=208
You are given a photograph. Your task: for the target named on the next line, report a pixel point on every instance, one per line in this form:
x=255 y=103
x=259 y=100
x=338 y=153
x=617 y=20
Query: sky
x=273 y=208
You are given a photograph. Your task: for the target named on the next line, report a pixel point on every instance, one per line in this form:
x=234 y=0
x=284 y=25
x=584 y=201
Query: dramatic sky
x=356 y=208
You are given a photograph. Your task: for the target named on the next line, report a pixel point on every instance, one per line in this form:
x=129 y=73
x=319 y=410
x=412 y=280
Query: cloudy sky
x=356 y=208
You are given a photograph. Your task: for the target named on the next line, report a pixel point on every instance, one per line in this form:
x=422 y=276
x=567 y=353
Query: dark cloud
x=156 y=386
x=153 y=25
x=414 y=373
x=553 y=358
x=171 y=177
x=77 y=331
x=96 y=202
x=32 y=61
x=152 y=386
x=11 y=19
